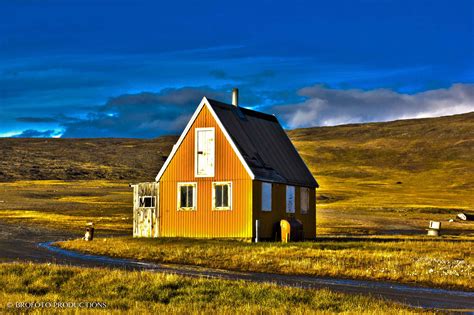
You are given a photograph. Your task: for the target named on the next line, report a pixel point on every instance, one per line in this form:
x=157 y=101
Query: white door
x=204 y=152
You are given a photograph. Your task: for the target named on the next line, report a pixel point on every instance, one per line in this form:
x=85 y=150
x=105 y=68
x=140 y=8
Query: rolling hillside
x=73 y=159
x=371 y=175
x=395 y=175
x=443 y=146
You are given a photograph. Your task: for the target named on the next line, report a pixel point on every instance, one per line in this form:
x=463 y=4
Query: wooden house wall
x=268 y=219
x=205 y=222
x=145 y=220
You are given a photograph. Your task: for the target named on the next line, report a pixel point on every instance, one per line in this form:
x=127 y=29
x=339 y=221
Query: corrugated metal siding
x=205 y=222
x=268 y=219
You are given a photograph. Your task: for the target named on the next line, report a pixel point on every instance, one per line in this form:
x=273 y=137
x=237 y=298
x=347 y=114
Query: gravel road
x=34 y=244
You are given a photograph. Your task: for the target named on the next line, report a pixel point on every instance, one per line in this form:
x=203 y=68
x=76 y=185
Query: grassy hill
x=72 y=159
x=393 y=176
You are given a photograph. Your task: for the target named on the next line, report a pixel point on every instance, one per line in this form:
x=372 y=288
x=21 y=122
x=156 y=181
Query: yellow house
x=233 y=173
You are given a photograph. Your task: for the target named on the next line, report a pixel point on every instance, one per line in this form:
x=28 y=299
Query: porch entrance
x=146 y=216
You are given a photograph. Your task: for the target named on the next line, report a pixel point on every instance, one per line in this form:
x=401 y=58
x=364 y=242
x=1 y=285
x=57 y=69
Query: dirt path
x=21 y=243
x=33 y=244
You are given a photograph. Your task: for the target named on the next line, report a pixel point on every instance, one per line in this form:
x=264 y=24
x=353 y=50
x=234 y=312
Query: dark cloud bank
x=148 y=115
x=143 y=115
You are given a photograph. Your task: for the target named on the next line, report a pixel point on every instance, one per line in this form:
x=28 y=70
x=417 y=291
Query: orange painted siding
x=268 y=219
x=205 y=222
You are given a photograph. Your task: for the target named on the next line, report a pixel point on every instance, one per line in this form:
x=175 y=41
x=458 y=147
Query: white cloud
x=326 y=107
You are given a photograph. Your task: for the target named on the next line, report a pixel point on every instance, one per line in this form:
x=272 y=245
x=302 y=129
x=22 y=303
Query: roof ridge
x=264 y=145
x=251 y=111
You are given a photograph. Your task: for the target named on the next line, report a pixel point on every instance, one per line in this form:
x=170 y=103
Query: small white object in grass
x=451 y=220
x=436 y=225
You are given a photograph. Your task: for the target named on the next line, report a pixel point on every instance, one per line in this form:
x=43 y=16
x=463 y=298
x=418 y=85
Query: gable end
x=204 y=102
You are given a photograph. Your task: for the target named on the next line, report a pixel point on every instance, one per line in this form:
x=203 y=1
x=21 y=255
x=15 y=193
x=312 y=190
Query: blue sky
x=139 y=68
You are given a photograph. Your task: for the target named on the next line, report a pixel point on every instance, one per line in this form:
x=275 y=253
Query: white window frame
x=303 y=191
x=196 y=130
x=183 y=184
x=290 y=189
x=214 y=196
x=266 y=209
x=153 y=202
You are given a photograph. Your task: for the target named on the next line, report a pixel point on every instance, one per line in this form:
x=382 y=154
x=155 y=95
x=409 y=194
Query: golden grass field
x=439 y=263
x=144 y=292
x=68 y=205
x=380 y=183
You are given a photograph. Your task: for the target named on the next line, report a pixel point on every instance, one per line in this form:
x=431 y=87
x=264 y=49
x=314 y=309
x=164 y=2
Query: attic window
x=147 y=202
x=204 y=152
x=221 y=196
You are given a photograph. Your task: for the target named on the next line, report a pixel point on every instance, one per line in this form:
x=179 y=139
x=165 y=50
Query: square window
x=147 y=202
x=221 y=196
x=187 y=196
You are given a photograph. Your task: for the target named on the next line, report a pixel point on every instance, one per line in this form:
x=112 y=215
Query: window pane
x=266 y=197
x=225 y=196
x=290 y=199
x=304 y=200
x=147 y=202
x=218 y=195
x=190 y=196
x=183 y=197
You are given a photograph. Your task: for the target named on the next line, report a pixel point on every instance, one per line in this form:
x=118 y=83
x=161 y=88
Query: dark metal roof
x=264 y=145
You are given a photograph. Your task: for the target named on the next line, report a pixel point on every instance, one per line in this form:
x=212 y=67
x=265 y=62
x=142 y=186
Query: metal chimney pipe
x=235 y=96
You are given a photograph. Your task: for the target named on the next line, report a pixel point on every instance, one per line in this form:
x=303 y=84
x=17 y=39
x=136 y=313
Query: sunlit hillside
x=74 y=159
x=392 y=177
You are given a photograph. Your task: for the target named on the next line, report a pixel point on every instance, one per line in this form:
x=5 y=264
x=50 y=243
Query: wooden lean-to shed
x=230 y=168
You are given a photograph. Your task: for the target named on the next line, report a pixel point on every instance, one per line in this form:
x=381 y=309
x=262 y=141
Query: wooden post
x=257 y=223
x=89 y=235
